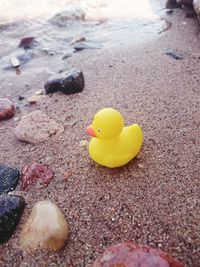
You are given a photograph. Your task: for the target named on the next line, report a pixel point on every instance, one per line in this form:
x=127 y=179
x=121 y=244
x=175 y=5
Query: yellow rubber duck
x=113 y=145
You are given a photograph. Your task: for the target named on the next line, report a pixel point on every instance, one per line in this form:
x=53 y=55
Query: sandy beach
x=155 y=199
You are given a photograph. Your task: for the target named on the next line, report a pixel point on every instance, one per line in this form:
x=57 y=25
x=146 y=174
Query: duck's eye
x=99 y=130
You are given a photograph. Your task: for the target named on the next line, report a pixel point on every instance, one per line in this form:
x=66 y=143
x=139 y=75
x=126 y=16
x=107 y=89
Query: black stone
x=68 y=82
x=173 y=4
x=174 y=54
x=9 y=178
x=28 y=43
x=20 y=98
x=11 y=209
x=66 y=56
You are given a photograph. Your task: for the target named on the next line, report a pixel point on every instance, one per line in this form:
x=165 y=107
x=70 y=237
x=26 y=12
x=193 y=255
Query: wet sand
x=153 y=200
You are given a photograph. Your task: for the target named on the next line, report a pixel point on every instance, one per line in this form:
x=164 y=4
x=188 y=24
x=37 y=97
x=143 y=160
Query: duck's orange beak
x=90 y=131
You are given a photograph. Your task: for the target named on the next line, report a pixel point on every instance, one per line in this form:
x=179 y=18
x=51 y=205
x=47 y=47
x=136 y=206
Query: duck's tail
x=138 y=136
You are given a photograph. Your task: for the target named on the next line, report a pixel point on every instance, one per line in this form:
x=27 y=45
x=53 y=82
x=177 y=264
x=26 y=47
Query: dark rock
x=9 y=178
x=178 y=3
x=129 y=254
x=20 y=98
x=191 y=15
x=68 y=82
x=11 y=209
x=173 y=4
x=67 y=56
x=78 y=39
x=187 y=2
x=86 y=45
x=174 y=54
x=7 y=109
x=34 y=172
x=28 y=43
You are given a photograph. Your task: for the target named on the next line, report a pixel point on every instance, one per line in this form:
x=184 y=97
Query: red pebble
x=129 y=254
x=34 y=172
x=7 y=109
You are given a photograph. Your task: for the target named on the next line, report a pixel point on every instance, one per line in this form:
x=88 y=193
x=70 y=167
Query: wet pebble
x=67 y=174
x=14 y=62
x=17 y=59
x=33 y=99
x=7 y=109
x=129 y=254
x=34 y=172
x=37 y=127
x=67 y=56
x=71 y=13
x=39 y=92
x=78 y=39
x=174 y=54
x=11 y=209
x=9 y=178
x=48 y=51
x=46 y=228
x=68 y=82
x=86 y=45
x=169 y=11
x=83 y=143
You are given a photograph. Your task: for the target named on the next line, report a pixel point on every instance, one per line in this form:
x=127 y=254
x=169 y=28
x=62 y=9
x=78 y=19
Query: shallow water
x=103 y=23
x=12 y=10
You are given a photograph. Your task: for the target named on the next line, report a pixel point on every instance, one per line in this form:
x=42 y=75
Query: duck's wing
x=136 y=132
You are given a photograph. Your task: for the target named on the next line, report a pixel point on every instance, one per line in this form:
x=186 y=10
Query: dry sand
x=153 y=200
